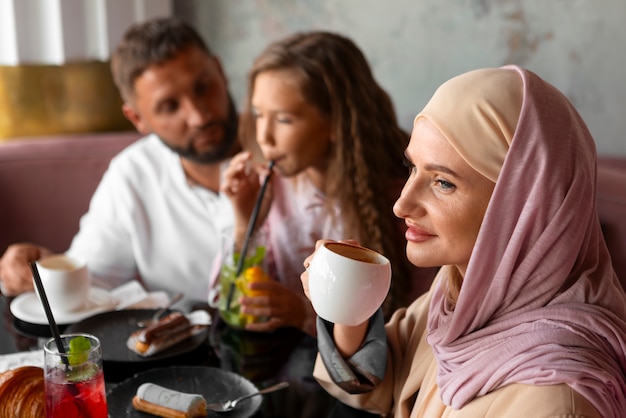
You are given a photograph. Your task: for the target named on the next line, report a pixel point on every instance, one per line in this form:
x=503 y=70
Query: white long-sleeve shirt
x=146 y=219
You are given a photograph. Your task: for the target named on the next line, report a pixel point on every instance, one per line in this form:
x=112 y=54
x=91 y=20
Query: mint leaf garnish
x=79 y=350
x=82 y=373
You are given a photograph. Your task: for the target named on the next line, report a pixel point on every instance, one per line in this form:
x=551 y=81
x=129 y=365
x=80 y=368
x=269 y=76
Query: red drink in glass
x=84 y=399
x=74 y=389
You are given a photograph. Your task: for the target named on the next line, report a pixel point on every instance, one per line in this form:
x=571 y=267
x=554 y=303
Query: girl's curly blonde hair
x=365 y=165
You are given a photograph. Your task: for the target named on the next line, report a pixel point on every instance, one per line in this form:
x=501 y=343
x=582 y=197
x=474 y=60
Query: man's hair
x=148 y=43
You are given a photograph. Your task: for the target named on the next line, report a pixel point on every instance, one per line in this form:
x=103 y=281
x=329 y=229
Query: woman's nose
x=409 y=200
x=264 y=132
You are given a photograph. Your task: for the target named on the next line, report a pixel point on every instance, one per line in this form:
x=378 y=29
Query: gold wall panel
x=57 y=99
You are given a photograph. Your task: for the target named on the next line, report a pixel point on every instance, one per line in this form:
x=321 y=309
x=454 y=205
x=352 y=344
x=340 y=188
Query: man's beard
x=222 y=150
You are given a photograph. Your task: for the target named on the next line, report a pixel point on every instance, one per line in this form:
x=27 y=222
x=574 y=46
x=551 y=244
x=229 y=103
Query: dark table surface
x=264 y=359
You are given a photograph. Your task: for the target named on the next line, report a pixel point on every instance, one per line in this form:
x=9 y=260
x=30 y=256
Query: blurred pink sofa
x=46 y=184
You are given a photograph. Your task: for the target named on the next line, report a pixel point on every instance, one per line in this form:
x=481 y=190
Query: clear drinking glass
x=74 y=380
x=233 y=287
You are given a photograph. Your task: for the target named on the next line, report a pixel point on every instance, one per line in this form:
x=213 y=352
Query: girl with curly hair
x=316 y=110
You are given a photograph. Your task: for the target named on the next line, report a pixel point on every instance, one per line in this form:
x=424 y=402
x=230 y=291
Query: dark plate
x=29 y=330
x=213 y=383
x=114 y=328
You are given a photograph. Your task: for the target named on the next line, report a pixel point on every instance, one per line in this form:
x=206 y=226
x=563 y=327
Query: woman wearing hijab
x=526 y=316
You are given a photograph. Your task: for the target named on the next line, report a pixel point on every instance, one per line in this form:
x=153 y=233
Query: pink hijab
x=540 y=303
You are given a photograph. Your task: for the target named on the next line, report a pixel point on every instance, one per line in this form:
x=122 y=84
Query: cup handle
x=214 y=295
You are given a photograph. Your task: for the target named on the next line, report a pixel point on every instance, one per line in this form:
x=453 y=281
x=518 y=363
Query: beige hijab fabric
x=540 y=303
x=485 y=116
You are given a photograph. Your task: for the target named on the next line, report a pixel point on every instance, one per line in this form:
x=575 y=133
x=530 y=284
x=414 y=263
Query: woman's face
x=443 y=201
x=289 y=129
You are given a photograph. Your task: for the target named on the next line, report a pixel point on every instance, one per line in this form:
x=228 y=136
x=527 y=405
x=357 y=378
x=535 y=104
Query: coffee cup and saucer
x=68 y=288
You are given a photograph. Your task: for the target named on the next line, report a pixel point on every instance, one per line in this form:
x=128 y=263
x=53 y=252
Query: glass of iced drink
x=74 y=380
x=233 y=286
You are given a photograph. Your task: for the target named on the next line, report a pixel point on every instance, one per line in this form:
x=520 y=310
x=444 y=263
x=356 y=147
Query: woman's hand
x=241 y=183
x=348 y=339
x=283 y=307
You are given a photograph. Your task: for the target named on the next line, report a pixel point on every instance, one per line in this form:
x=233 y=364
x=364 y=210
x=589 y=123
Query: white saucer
x=28 y=308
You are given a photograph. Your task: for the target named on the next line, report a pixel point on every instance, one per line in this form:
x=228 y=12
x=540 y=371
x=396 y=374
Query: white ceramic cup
x=347 y=283
x=66 y=282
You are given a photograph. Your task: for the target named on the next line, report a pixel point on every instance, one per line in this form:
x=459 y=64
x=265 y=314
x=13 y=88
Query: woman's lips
x=415 y=234
x=277 y=160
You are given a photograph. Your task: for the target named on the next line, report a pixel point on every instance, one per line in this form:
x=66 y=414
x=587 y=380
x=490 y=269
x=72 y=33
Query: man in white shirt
x=157 y=214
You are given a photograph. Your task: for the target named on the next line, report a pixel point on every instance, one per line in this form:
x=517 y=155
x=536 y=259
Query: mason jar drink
x=232 y=286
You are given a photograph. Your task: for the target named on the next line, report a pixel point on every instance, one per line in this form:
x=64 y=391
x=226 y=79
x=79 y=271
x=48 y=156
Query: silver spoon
x=157 y=314
x=226 y=406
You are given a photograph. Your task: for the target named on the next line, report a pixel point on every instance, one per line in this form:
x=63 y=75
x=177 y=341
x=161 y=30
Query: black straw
x=46 y=307
x=250 y=230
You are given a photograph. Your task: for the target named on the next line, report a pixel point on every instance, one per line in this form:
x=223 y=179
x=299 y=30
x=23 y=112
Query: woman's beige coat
x=409 y=388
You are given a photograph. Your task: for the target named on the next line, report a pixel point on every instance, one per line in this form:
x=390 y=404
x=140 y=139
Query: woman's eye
x=283 y=119
x=445 y=185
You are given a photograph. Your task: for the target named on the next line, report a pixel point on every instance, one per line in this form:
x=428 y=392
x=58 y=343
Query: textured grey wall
x=415 y=45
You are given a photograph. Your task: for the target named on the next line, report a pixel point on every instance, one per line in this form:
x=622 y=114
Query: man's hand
x=15 y=272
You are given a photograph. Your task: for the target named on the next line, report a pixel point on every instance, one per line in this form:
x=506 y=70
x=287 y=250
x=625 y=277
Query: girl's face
x=289 y=129
x=443 y=201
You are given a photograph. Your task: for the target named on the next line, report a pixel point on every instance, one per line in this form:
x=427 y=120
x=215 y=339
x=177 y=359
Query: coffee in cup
x=65 y=280
x=348 y=283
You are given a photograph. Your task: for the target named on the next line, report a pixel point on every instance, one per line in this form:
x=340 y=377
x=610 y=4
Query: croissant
x=22 y=393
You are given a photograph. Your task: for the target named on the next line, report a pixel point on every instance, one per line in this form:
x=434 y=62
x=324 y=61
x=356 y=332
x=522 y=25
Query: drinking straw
x=249 y=231
x=46 y=308
x=56 y=334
